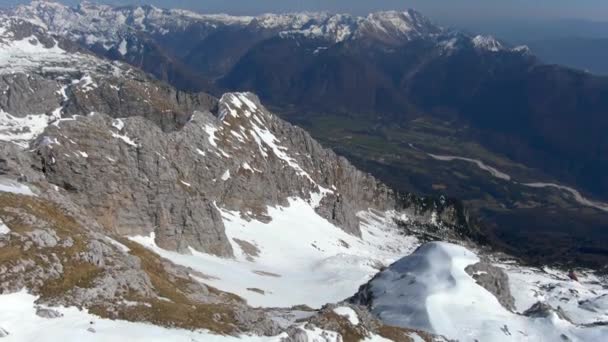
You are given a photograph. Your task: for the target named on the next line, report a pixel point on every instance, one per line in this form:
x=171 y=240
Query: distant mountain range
x=576 y=43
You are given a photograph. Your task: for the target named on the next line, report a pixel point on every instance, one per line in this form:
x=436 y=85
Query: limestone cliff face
x=138 y=179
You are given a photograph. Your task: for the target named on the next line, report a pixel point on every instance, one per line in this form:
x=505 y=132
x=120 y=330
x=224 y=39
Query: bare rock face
x=48 y=313
x=17 y=165
x=495 y=280
x=140 y=96
x=28 y=94
x=137 y=179
x=540 y=309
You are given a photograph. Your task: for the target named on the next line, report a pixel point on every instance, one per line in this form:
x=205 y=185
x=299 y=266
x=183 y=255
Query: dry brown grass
x=75 y=273
x=63 y=224
x=402 y=335
x=179 y=311
x=342 y=326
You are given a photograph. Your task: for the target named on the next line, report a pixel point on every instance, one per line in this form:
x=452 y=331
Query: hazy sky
x=438 y=9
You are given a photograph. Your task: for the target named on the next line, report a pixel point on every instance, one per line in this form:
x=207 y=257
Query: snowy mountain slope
x=19 y=320
x=582 y=301
x=120 y=29
x=24 y=320
x=295 y=255
x=192 y=216
x=431 y=290
x=112 y=24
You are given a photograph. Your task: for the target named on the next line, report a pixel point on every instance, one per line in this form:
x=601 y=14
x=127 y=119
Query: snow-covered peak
x=107 y=26
x=396 y=26
x=488 y=43
x=389 y=26
x=289 y=21
x=334 y=28
x=432 y=289
x=391 y=21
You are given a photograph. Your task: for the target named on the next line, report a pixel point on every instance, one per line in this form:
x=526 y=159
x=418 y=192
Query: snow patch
x=488 y=43
x=125 y=138
x=22 y=130
x=4 y=229
x=226 y=175
x=8 y=185
x=118 y=124
x=122 y=48
x=18 y=317
x=299 y=253
x=349 y=313
x=118 y=245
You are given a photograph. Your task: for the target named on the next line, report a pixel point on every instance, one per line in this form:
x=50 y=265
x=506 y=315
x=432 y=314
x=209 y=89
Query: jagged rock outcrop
x=540 y=309
x=27 y=94
x=495 y=280
x=139 y=96
x=48 y=313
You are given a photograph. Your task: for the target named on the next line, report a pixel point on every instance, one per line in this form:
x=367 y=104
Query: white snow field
x=302 y=258
x=430 y=290
x=349 y=313
x=4 y=229
x=19 y=323
x=584 y=301
x=12 y=186
x=18 y=318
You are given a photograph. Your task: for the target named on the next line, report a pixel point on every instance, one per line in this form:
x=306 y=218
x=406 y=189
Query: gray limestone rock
x=495 y=280
x=296 y=335
x=540 y=309
x=137 y=179
x=28 y=94
x=43 y=238
x=48 y=313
